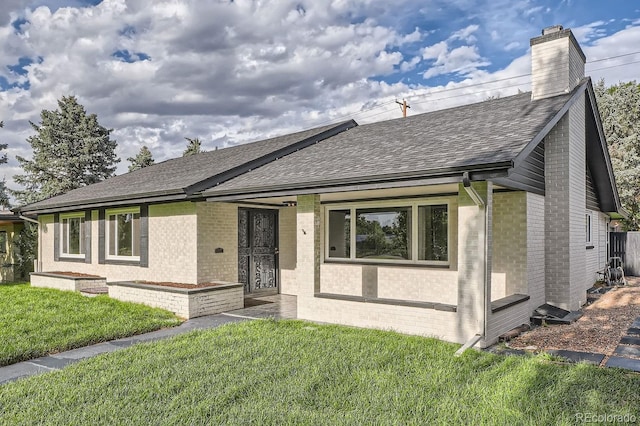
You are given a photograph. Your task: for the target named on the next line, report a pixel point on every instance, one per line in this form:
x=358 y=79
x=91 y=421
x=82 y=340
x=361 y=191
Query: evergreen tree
x=143 y=159
x=619 y=107
x=70 y=150
x=4 y=197
x=193 y=147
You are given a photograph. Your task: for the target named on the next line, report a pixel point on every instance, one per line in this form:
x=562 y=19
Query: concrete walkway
x=278 y=307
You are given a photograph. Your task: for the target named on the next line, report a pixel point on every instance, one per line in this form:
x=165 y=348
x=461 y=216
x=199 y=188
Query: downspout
x=28 y=219
x=477 y=199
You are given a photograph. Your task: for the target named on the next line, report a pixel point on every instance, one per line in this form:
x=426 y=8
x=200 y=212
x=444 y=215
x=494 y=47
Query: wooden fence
x=627 y=246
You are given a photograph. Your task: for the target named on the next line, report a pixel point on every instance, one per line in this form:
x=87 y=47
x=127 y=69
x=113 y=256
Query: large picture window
x=72 y=235
x=123 y=230
x=383 y=233
x=388 y=232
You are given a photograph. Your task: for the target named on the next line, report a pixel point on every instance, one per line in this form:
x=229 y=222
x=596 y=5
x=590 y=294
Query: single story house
x=455 y=223
x=10 y=227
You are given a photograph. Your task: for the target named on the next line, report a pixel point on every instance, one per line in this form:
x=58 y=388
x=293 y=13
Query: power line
x=435 y=92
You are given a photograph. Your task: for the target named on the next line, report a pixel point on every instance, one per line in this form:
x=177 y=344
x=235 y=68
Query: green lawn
x=293 y=372
x=38 y=321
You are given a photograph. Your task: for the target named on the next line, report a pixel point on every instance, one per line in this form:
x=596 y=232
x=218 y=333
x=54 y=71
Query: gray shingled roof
x=488 y=132
x=173 y=177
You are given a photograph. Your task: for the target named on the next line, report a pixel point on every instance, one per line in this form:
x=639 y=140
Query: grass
x=293 y=372
x=38 y=321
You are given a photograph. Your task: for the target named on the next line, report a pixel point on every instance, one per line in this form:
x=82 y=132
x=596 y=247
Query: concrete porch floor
x=279 y=306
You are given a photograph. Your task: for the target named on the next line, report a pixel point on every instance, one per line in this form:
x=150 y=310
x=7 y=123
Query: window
x=433 y=236
x=587 y=222
x=3 y=242
x=72 y=235
x=389 y=232
x=340 y=233
x=383 y=233
x=123 y=230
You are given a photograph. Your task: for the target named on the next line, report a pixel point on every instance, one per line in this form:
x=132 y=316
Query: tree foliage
x=619 y=107
x=4 y=197
x=70 y=150
x=26 y=247
x=193 y=147
x=144 y=158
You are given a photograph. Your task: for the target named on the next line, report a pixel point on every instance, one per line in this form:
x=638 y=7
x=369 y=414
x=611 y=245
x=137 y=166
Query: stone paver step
x=575 y=356
x=629 y=340
x=633 y=331
x=625 y=350
x=626 y=363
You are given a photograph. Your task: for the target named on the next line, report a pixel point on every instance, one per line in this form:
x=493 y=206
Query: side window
x=123 y=234
x=3 y=242
x=72 y=235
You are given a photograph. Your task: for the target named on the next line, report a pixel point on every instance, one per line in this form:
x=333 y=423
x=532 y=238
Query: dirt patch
x=74 y=274
x=599 y=330
x=180 y=285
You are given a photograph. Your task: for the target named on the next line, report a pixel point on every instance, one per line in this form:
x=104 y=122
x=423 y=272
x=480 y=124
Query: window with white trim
x=389 y=232
x=123 y=234
x=72 y=235
x=4 y=242
x=588 y=228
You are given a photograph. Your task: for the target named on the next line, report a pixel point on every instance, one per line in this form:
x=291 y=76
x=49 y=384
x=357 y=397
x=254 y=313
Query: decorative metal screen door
x=257 y=250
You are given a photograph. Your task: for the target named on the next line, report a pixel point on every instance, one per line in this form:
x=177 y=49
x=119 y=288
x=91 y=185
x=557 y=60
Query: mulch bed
x=74 y=274
x=599 y=330
x=180 y=285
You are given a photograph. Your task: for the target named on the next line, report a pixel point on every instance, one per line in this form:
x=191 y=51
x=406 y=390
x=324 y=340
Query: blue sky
x=229 y=72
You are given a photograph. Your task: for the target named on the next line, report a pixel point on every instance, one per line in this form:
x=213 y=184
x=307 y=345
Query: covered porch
x=427 y=260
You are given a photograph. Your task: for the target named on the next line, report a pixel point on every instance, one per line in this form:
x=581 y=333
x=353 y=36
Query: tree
x=70 y=150
x=619 y=107
x=193 y=147
x=143 y=159
x=4 y=197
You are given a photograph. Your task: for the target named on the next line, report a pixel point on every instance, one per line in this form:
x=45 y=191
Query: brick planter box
x=184 y=302
x=66 y=282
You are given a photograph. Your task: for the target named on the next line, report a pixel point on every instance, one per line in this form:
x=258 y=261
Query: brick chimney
x=557 y=62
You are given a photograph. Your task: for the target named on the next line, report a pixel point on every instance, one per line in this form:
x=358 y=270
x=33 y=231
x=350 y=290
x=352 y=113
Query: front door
x=257 y=251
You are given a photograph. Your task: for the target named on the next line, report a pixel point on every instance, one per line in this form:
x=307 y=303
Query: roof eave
x=147 y=198
x=396 y=180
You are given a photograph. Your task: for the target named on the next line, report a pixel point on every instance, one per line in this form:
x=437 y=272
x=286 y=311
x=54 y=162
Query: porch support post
x=308 y=245
x=474 y=260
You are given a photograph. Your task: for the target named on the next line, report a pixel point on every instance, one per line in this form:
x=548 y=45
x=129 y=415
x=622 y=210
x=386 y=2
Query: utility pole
x=403 y=107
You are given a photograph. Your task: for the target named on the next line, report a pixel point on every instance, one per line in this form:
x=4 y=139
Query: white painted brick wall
x=565 y=260
x=471 y=271
x=288 y=251
x=556 y=68
x=535 y=250
x=417 y=321
x=509 y=264
x=182 y=304
x=217 y=229
x=66 y=284
x=308 y=237
x=172 y=248
x=597 y=256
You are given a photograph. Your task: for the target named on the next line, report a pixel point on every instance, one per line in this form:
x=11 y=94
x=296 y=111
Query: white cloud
x=465 y=34
x=449 y=59
x=229 y=72
x=511 y=46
